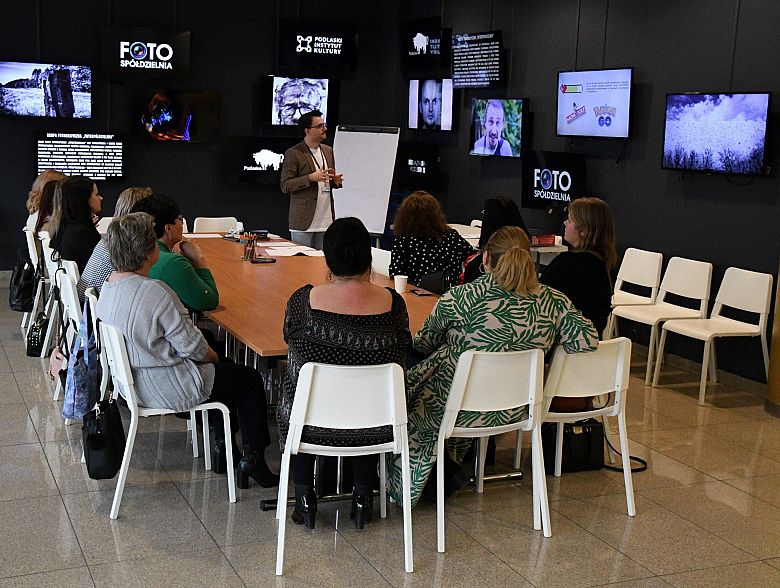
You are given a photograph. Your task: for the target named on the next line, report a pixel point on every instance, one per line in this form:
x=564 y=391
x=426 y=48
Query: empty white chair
x=113 y=341
x=641 y=268
x=102 y=225
x=214 y=224
x=740 y=289
x=40 y=287
x=375 y=396
x=491 y=382
x=476 y=223
x=683 y=277
x=576 y=375
x=380 y=261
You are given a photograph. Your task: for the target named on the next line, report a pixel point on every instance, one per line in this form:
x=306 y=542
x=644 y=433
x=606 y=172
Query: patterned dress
x=484 y=317
x=339 y=339
x=415 y=257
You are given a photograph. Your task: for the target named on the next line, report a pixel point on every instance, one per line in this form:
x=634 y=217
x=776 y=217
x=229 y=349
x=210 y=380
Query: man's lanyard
x=317 y=163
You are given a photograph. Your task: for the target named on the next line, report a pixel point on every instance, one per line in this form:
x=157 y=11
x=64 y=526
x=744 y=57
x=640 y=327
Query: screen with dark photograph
x=430 y=105
x=552 y=179
x=426 y=49
x=724 y=133
x=316 y=48
x=255 y=159
x=144 y=52
x=293 y=97
x=476 y=60
x=594 y=103
x=172 y=115
x=45 y=89
x=95 y=155
x=497 y=127
x=416 y=167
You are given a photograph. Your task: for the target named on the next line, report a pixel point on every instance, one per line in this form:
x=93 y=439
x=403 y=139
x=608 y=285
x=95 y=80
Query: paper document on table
x=294 y=250
x=203 y=235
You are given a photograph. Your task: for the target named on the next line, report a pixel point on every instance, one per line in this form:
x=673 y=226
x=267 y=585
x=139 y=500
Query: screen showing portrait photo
x=497 y=127
x=293 y=97
x=430 y=105
x=594 y=103
x=95 y=155
x=723 y=133
x=45 y=89
x=172 y=115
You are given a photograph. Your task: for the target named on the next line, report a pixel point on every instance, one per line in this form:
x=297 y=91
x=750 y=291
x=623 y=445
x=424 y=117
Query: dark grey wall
x=673 y=46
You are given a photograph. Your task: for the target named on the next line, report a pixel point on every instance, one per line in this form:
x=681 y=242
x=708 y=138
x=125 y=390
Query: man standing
x=308 y=175
x=492 y=142
x=430 y=104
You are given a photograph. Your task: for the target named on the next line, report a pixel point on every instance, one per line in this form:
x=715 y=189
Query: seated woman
x=348 y=321
x=99 y=265
x=498 y=212
x=173 y=366
x=45 y=207
x=423 y=242
x=34 y=196
x=187 y=272
x=72 y=228
x=584 y=273
x=504 y=310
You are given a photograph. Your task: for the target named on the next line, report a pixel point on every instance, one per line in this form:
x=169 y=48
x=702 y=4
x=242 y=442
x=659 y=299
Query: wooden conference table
x=253 y=297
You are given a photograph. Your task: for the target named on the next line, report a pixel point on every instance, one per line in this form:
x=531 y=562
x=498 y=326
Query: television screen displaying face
x=255 y=159
x=316 y=48
x=497 y=126
x=476 y=60
x=129 y=52
x=293 y=97
x=594 y=103
x=430 y=105
x=724 y=133
x=95 y=155
x=45 y=89
x=172 y=115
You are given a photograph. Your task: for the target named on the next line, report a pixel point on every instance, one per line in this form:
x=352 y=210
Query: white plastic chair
x=40 y=287
x=604 y=371
x=683 y=277
x=51 y=309
x=349 y=397
x=214 y=224
x=71 y=310
x=113 y=342
x=740 y=289
x=380 y=261
x=639 y=267
x=102 y=224
x=476 y=223
x=490 y=382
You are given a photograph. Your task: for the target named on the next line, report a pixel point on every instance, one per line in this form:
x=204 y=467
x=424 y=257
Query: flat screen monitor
x=255 y=159
x=133 y=52
x=416 y=167
x=430 y=105
x=173 y=115
x=316 y=48
x=476 y=60
x=293 y=97
x=497 y=126
x=98 y=156
x=45 y=89
x=426 y=49
x=722 y=133
x=552 y=179
x=594 y=103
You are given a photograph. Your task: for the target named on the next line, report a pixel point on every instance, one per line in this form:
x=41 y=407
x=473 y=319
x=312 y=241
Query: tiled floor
x=708 y=508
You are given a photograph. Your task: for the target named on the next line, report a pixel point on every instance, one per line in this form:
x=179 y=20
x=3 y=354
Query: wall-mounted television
x=98 y=156
x=722 y=133
x=497 y=126
x=293 y=97
x=416 y=167
x=132 y=52
x=594 y=103
x=430 y=105
x=426 y=49
x=173 y=115
x=45 y=89
x=255 y=159
x=476 y=60
x=552 y=179
x=316 y=48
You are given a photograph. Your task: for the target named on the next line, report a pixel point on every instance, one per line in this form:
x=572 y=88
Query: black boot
x=362 y=507
x=253 y=466
x=305 y=506
x=219 y=458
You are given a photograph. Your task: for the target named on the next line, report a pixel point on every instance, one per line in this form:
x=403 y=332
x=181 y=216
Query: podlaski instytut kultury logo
x=304 y=44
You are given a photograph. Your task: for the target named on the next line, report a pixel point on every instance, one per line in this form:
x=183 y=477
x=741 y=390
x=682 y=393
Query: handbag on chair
x=82 y=384
x=36 y=335
x=22 y=286
x=103 y=436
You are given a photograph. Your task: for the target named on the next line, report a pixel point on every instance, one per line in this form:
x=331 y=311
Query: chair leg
x=204 y=418
x=659 y=361
x=231 y=474
x=518 y=450
x=558 y=449
x=626 y=464
x=650 y=353
x=281 y=511
x=440 y=494
x=52 y=311
x=713 y=363
x=609 y=438
x=536 y=499
x=538 y=471
x=192 y=425
x=704 y=366
x=482 y=453
x=383 y=485
x=765 y=351
x=120 y=482
x=406 y=479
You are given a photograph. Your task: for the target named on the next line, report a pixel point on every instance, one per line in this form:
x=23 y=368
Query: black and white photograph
x=45 y=89
x=293 y=97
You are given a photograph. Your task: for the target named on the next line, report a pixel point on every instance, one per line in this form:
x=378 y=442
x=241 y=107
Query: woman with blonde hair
x=584 y=272
x=424 y=244
x=34 y=196
x=506 y=309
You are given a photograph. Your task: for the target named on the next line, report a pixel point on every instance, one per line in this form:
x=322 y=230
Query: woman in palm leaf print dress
x=504 y=310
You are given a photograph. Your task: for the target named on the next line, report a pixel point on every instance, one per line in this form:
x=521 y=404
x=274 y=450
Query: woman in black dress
x=72 y=227
x=347 y=321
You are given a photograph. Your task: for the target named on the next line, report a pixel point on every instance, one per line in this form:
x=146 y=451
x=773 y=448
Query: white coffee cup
x=400 y=283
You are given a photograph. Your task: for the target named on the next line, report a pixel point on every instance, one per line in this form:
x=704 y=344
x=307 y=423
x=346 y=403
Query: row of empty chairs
x=203 y=224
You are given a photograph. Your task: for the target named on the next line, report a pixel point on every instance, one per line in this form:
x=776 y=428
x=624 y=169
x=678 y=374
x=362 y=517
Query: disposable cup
x=400 y=283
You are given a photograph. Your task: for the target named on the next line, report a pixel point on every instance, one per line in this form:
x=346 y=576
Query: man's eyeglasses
x=319 y=126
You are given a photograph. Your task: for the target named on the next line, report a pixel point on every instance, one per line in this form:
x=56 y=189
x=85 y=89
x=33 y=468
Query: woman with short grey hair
x=172 y=364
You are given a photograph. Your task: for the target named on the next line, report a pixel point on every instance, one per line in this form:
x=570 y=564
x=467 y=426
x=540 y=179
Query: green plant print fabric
x=484 y=317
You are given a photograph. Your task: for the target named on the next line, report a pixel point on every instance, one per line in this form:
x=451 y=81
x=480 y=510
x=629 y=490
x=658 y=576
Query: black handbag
x=36 y=334
x=103 y=436
x=435 y=282
x=22 y=286
x=583 y=446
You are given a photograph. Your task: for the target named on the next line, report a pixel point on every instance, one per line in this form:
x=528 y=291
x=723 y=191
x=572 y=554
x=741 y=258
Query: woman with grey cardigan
x=173 y=366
